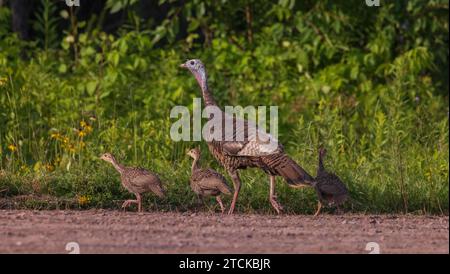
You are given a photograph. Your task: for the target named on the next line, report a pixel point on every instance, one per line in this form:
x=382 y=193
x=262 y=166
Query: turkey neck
x=195 y=165
x=321 y=167
x=120 y=168
x=202 y=80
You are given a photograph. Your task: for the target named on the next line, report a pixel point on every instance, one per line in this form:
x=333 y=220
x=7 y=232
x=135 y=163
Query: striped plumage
x=329 y=188
x=252 y=151
x=205 y=181
x=136 y=180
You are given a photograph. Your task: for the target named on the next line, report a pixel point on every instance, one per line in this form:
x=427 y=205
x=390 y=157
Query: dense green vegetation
x=369 y=83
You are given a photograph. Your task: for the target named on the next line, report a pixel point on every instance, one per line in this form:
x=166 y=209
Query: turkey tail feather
x=225 y=189
x=294 y=175
x=158 y=190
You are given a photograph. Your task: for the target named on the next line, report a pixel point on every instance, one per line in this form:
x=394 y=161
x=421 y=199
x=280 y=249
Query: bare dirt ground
x=107 y=231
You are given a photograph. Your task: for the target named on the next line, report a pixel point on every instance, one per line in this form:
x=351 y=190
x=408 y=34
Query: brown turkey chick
x=136 y=180
x=329 y=187
x=207 y=182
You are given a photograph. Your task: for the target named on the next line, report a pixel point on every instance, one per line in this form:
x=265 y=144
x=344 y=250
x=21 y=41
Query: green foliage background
x=369 y=83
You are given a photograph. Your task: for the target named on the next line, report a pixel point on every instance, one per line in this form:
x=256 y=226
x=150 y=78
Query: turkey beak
x=183 y=66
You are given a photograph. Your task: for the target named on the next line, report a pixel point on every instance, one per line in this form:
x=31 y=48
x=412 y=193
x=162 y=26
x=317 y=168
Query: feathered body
x=329 y=187
x=276 y=163
x=140 y=180
x=136 y=180
x=205 y=181
x=255 y=148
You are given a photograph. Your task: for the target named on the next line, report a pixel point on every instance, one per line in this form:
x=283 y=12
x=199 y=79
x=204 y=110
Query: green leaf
x=62 y=68
x=118 y=5
x=113 y=58
x=91 y=87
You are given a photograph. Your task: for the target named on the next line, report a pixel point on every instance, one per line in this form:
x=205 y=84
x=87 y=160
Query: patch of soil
x=107 y=231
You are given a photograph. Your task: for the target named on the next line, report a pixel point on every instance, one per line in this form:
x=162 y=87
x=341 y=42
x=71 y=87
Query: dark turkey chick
x=136 y=180
x=330 y=189
x=207 y=182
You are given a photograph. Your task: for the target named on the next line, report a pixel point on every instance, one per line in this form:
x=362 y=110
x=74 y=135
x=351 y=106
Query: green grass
x=372 y=191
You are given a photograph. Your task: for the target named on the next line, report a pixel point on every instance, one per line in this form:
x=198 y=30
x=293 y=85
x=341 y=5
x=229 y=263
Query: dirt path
x=96 y=231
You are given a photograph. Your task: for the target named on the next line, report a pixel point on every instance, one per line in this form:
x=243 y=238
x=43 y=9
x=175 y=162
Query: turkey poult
x=255 y=149
x=330 y=189
x=207 y=182
x=136 y=180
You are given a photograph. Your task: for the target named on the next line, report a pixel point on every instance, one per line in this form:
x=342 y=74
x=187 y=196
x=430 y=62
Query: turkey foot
x=127 y=203
x=276 y=205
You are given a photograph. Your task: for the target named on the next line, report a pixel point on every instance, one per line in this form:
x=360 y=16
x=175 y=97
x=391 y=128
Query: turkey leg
x=219 y=200
x=319 y=207
x=237 y=187
x=273 y=197
x=139 y=199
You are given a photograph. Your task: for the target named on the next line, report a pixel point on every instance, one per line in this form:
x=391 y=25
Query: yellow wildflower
x=71 y=148
x=12 y=148
x=88 y=129
x=56 y=136
x=3 y=81
x=49 y=167
x=83 y=200
x=85 y=129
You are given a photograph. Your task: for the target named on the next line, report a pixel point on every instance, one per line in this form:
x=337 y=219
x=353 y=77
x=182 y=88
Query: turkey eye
x=192 y=63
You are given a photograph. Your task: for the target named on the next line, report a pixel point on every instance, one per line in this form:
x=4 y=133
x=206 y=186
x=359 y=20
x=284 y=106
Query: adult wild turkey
x=256 y=149
x=136 y=180
x=207 y=182
x=330 y=189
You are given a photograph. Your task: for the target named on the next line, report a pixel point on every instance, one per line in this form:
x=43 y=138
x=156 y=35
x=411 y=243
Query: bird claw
x=277 y=206
x=126 y=204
